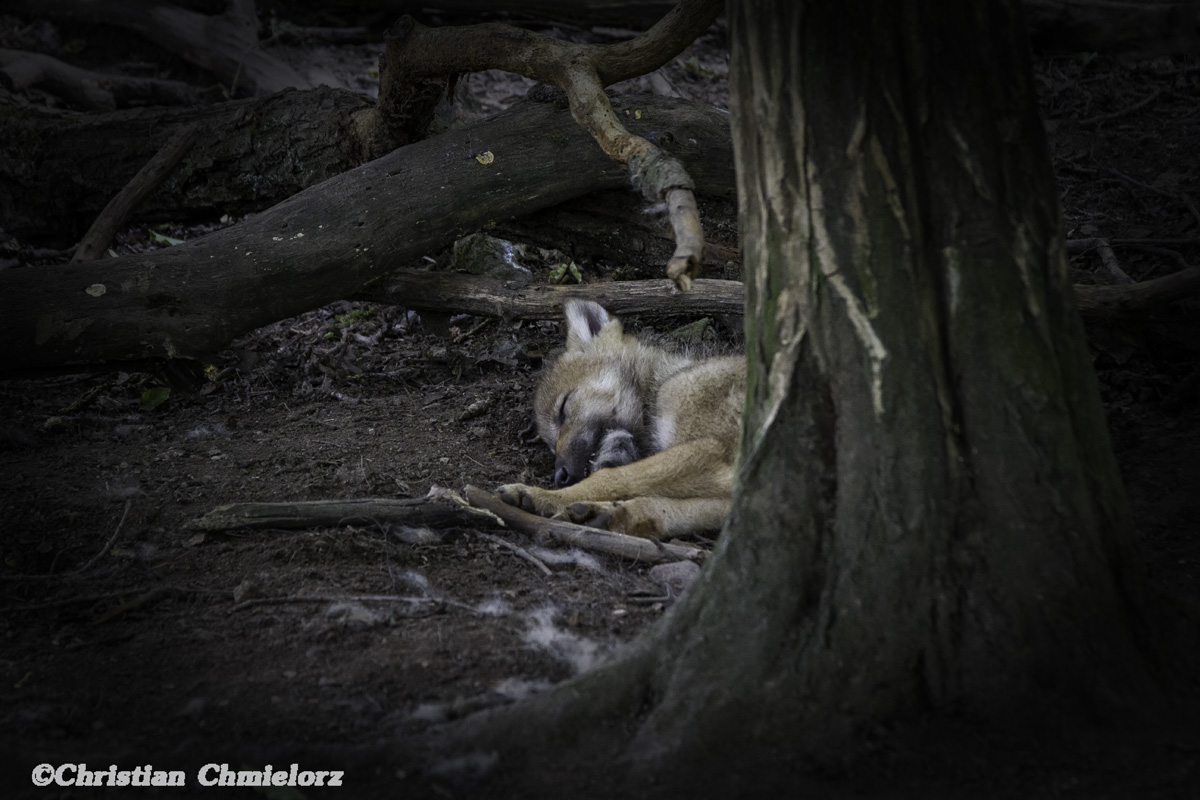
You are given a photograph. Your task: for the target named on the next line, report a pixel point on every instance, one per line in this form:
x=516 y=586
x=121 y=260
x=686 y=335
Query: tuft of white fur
x=469 y=767
x=573 y=556
x=518 y=688
x=494 y=608
x=581 y=654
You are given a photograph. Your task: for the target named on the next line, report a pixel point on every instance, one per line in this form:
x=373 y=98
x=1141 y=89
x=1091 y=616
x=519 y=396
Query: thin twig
x=91 y=562
x=520 y=551
x=107 y=545
x=462 y=337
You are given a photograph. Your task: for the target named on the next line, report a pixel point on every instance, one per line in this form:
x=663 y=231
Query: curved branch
x=582 y=71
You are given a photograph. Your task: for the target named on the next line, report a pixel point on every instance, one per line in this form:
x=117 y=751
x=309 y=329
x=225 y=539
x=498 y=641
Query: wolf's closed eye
x=562 y=407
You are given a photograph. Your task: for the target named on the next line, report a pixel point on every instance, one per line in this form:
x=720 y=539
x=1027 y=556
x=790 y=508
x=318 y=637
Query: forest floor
x=176 y=648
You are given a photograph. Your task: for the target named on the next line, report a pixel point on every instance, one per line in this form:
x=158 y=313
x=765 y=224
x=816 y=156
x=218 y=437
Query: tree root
x=582 y=71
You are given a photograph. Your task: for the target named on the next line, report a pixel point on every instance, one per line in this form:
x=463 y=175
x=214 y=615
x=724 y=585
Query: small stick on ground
x=520 y=551
x=114 y=215
x=439 y=508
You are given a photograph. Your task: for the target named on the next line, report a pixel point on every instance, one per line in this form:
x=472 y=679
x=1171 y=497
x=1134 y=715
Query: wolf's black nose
x=563 y=476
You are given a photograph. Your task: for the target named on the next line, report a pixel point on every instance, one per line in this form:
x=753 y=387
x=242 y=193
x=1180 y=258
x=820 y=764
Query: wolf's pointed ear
x=584 y=321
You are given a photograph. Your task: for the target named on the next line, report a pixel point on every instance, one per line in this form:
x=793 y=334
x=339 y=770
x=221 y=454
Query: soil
x=130 y=638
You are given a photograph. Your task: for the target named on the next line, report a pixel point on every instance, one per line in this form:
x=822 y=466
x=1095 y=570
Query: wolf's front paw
x=618 y=517
x=594 y=515
x=529 y=498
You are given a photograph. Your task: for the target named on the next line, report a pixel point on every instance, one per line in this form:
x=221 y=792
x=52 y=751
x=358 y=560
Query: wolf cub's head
x=589 y=403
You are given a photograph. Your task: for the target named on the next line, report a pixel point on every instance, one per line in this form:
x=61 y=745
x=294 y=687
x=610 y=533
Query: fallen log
x=451 y=293
x=322 y=244
x=1136 y=299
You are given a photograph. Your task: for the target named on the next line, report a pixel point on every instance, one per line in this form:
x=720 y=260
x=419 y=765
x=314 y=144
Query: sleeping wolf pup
x=644 y=439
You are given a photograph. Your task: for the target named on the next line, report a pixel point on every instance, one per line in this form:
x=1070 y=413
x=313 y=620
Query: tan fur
x=644 y=439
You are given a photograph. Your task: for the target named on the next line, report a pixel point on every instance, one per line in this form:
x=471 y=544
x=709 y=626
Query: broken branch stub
x=582 y=71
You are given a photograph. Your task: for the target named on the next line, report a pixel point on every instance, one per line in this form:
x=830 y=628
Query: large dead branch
x=87 y=90
x=322 y=244
x=226 y=44
x=492 y=297
x=1136 y=299
x=582 y=71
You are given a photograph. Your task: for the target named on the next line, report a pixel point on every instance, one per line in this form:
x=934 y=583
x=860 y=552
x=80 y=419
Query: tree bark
x=320 y=245
x=929 y=518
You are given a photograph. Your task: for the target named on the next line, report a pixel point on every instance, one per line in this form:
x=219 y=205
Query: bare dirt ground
x=176 y=648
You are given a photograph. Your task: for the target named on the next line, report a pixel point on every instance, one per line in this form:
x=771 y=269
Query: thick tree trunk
x=58 y=170
x=929 y=515
x=320 y=245
x=929 y=518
